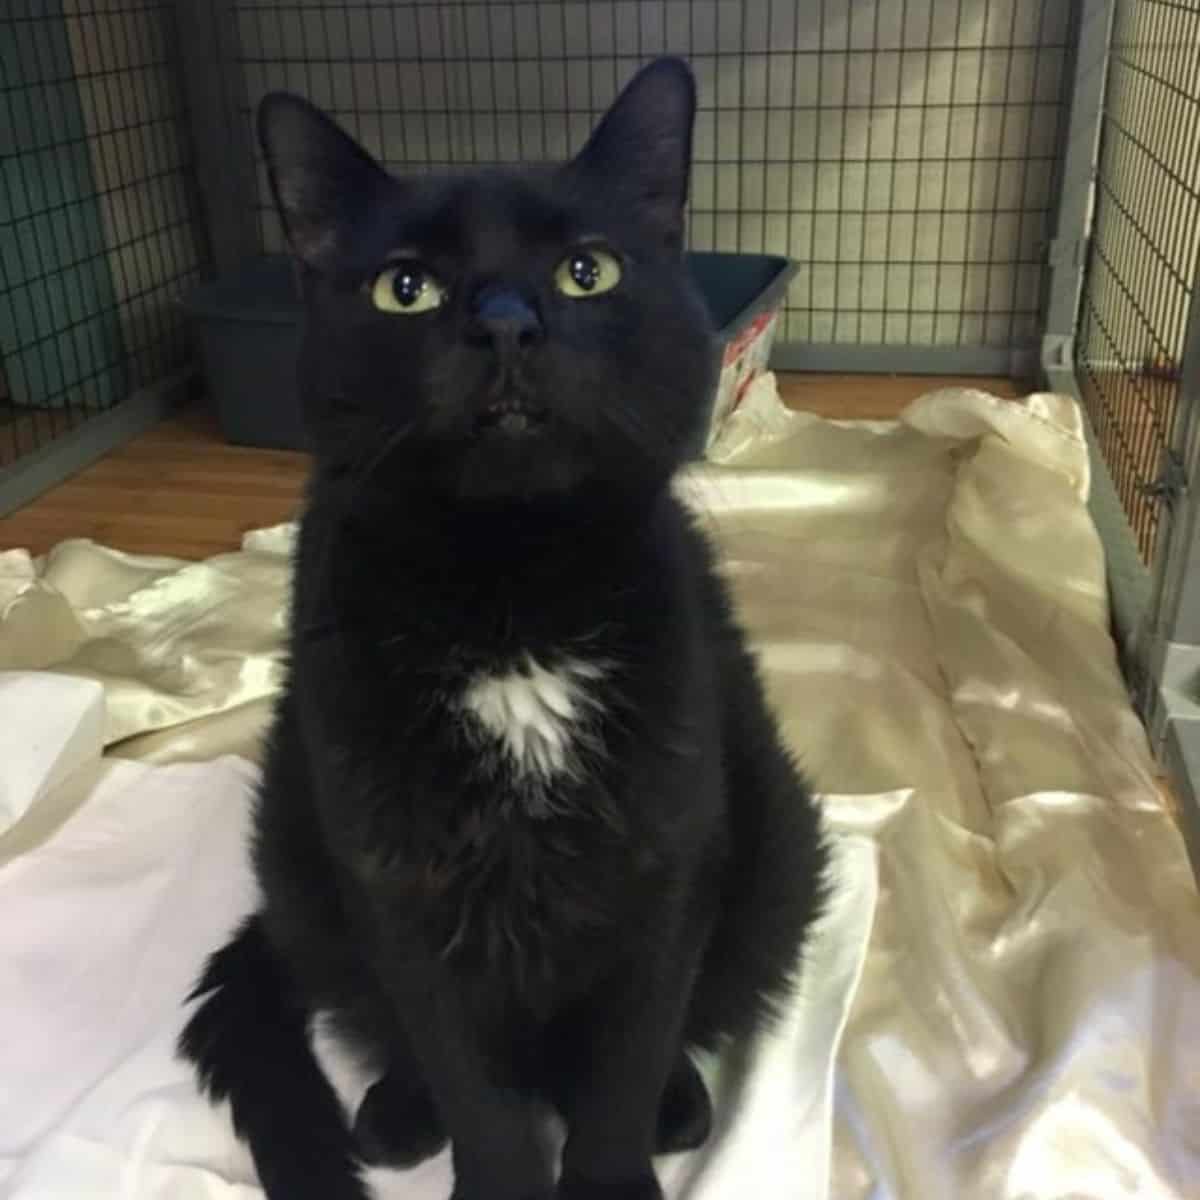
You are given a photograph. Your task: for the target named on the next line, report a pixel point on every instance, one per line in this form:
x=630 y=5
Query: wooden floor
x=181 y=490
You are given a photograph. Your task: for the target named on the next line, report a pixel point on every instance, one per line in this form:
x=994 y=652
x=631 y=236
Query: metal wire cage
x=98 y=221
x=967 y=186
x=1143 y=260
x=904 y=154
x=1138 y=362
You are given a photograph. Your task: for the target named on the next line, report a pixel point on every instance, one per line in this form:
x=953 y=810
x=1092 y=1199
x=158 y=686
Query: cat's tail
x=249 y=1042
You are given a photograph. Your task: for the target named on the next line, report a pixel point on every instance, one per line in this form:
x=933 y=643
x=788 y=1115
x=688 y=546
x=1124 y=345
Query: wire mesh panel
x=902 y=151
x=1144 y=255
x=98 y=228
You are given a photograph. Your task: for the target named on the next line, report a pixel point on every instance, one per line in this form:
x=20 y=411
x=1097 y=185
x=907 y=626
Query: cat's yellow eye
x=588 y=271
x=407 y=287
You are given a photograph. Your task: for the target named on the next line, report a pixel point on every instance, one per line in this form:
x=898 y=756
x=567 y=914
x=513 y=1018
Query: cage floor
x=1008 y=991
x=180 y=490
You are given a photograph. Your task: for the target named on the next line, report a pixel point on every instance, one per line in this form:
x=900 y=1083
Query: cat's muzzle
x=514 y=416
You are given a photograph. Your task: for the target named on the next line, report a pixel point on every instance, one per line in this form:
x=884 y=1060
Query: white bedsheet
x=138 y=871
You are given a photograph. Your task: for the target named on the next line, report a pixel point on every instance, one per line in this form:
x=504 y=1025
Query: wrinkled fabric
x=137 y=872
x=928 y=600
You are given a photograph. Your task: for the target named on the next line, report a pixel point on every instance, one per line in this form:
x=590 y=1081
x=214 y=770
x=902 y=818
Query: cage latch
x=1171 y=482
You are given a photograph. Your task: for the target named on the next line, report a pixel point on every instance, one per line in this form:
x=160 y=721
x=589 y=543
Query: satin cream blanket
x=1004 y=1000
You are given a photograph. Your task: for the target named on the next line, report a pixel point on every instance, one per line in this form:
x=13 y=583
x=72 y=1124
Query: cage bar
x=99 y=231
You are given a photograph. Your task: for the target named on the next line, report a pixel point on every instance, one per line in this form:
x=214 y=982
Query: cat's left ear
x=643 y=145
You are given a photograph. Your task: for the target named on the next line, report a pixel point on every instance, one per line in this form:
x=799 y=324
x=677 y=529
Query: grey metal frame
x=1156 y=617
x=85 y=444
x=1129 y=581
x=905 y=360
x=1169 y=650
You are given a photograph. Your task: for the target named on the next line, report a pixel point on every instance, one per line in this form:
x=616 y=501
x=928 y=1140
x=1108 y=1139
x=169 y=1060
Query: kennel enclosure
x=966 y=187
x=100 y=231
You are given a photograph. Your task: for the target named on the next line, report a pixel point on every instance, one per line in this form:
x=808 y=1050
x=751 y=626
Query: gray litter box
x=249 y=329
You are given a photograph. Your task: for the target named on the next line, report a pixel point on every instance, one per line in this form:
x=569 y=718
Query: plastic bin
x=249 y=329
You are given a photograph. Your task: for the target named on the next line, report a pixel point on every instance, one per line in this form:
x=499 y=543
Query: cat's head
x=500 y=334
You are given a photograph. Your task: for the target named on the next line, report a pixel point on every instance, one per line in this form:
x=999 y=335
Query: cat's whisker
x=383 y=452
x=654 y=440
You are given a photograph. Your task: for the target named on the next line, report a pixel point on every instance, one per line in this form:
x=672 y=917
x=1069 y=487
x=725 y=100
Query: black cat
x=527 y=831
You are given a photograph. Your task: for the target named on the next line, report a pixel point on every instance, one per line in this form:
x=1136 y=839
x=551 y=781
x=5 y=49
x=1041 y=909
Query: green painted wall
x=60 y=337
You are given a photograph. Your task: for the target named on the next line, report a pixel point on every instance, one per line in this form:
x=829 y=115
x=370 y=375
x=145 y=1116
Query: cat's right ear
x=326 y=186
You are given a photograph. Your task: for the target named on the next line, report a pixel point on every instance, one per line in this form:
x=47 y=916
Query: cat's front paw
x=397 y=1126
x=644 y=1186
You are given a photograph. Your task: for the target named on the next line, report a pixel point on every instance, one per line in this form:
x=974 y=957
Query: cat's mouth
x=512 y=415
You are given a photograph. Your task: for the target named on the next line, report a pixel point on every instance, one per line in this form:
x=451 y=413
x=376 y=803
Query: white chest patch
x=537 y=716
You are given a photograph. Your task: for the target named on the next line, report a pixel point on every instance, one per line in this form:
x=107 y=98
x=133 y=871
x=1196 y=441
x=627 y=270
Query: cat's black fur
x=493 y=939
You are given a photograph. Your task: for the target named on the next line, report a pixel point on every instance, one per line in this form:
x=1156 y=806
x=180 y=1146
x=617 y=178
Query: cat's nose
x=504 y=318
